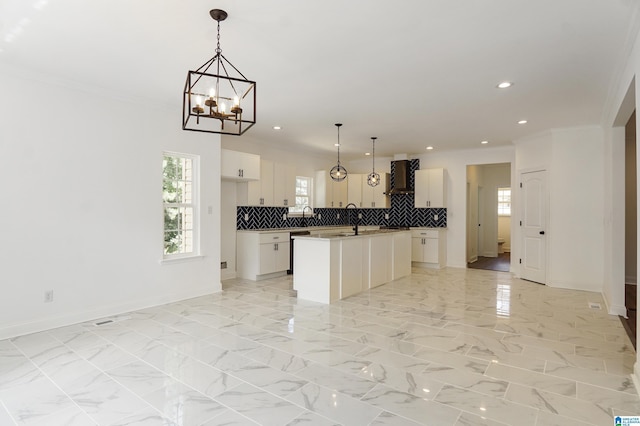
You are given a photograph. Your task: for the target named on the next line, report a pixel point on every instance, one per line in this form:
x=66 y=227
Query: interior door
x=534 y=222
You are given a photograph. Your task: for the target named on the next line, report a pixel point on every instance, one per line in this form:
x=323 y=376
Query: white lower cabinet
x=262 y=254
x=380 y=260
x=428 y=247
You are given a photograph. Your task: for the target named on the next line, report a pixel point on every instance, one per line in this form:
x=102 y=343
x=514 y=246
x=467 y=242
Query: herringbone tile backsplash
x=401 y=213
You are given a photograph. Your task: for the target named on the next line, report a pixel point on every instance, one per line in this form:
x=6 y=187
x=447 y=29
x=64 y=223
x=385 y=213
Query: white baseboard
x=490 y=254
x=635 y=376
x=97 y=312
x=574 y=286
x=614 y=309
x=227 y=274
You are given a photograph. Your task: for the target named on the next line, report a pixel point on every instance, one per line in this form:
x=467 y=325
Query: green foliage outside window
x=177 y=184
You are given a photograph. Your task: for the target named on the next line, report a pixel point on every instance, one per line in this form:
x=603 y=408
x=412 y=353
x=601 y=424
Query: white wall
x=228 y=203
x=504 y=231
x=456 y=162
x=623 y=100
x=575 y=232
x=82 y=210
x=576 y=228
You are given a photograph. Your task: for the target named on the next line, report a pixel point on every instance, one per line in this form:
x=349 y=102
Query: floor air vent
x=110 y=320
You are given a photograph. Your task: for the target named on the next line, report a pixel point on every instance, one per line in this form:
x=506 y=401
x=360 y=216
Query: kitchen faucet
x=355 y=228
x=304 y=220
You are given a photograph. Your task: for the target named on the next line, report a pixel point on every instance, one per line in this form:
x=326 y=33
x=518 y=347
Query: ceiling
x=421 y=73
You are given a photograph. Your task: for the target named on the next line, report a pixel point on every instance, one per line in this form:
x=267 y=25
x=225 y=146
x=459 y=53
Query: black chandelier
x=338 y=173
x=223 y=102
x=373 y=179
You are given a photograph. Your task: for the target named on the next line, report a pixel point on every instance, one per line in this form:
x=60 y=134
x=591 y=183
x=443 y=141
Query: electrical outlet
x=48 y=296
x=435 y=217
x=223 y=265
x=386 y=216
x=319 y=216
x=359 y=215
x=246 y=217
x=338 y=216
x=284 y=216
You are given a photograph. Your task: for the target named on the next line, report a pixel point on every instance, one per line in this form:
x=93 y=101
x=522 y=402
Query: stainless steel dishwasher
x=291 y=235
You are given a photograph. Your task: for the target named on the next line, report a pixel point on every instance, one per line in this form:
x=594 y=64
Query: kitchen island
x=330 y=267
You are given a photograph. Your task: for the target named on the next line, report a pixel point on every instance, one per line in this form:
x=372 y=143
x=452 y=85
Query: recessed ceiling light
x=522 y=122
x=429 y=147
x=277 y=128
x=367 y=153
x=484 y=142
x=504 y=85
x=336 y=144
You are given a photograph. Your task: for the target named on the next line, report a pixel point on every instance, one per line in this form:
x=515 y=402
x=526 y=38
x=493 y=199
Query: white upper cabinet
x=260 y=193
x=376 y=196
x=239 y=166
x=354 y=189
x=328 y=193
x=276 y=187
x=430 y=190
x=284 y=185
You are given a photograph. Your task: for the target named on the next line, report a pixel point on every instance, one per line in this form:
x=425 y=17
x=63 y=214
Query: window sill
x=172 y=260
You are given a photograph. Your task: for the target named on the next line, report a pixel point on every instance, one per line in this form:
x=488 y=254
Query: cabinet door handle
x=239 y=172
x=340 y=203
x=275 y=247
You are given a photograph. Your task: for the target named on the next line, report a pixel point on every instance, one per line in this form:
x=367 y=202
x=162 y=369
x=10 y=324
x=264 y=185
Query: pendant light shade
x=338 y=173
x=373 y=179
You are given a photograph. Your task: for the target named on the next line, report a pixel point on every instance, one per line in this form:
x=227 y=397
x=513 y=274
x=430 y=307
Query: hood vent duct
x=401 y=178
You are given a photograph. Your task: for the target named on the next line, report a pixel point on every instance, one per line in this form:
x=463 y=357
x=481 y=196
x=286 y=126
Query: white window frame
x=501 y=203
x=294 y=210
x=194 y=205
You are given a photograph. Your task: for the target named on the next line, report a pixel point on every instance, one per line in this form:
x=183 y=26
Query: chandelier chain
x=338 y=145
x=218 y=50
x=373 y=156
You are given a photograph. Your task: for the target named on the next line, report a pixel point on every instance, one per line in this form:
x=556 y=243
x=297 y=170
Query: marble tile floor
x=441 y=347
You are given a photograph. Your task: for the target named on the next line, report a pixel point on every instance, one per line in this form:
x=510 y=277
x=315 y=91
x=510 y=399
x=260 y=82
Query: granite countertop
x=340 y=235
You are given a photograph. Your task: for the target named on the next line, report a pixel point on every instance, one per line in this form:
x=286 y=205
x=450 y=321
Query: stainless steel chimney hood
x=401 y=178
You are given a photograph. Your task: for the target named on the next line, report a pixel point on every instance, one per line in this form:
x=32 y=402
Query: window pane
x=179 y=211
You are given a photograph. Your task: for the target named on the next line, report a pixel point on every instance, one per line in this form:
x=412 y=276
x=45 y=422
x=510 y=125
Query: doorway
x=488 y=229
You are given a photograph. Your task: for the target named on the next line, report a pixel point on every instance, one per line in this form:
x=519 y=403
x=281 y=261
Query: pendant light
x=218 y=98
x=338 y=173
x=373 y=179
